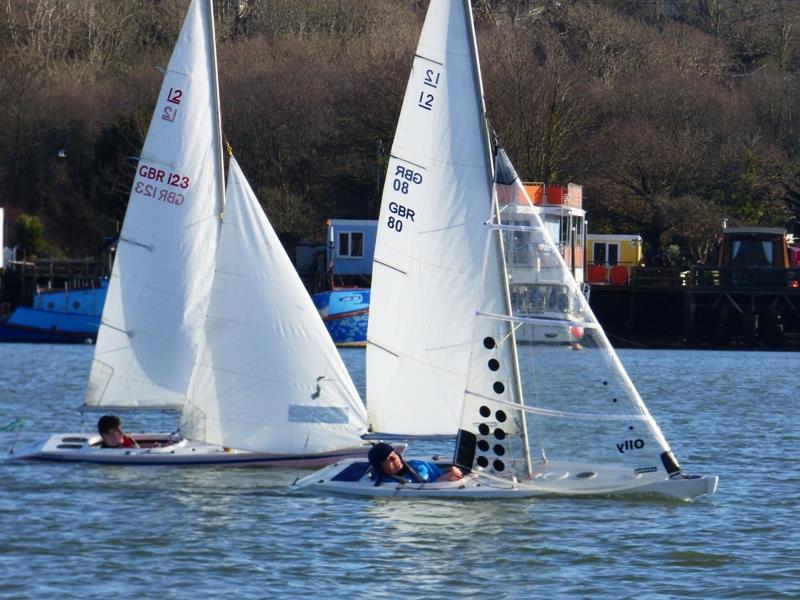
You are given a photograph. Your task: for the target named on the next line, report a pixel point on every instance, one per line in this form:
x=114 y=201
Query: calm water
x=94 y=531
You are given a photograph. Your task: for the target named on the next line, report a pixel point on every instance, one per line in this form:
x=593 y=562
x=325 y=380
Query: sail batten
x=434 y=61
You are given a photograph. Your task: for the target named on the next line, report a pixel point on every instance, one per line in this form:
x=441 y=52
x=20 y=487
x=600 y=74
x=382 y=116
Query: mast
x=208 y=10
x=496 y=209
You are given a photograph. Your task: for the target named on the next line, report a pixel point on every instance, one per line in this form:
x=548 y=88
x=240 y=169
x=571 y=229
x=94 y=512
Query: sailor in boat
x=110 y=429
x=388 y=465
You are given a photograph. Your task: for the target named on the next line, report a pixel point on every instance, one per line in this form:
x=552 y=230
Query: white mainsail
x=269 y=378
x=165 y=256
x=529 y=396
x=429 y=247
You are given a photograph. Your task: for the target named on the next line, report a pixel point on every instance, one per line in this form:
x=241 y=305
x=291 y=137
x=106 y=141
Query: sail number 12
x=426 y=98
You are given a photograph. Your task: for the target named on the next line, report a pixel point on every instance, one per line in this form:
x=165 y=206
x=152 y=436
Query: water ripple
x=96 y=531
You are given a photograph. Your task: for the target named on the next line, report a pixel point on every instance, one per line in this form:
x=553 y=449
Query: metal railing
x=729 y=277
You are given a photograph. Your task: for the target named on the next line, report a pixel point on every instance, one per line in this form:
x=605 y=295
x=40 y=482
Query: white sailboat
x=534 y=418
x=205 y=316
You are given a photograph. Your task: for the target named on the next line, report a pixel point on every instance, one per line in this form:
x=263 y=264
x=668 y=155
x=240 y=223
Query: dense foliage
x=672 y=113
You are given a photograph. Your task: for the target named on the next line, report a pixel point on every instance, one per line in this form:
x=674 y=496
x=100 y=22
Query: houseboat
x=610 y=258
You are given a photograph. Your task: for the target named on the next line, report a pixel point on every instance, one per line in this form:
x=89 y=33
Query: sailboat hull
x=351 y=478
x=160 y=449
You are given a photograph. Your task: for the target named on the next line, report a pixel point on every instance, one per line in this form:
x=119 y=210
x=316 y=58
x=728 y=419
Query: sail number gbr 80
x=404 y=179
x=172 y=184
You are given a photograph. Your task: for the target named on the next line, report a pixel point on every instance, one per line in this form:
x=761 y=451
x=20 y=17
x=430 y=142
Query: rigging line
x=15 y=424
x=303 y=455
x=520 y=228
x=538 y=320
x=484 y=483
x=546 y=412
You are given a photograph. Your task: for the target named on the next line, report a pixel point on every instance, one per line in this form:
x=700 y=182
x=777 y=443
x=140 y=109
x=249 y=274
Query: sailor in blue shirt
x=390 y=465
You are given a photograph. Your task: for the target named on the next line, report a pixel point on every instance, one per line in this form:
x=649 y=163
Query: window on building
x=605 y=253
x=351 y=244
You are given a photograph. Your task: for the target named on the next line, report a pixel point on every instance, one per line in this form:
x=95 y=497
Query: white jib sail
x=165 y=256
x=429 y=247
x=269 y=378
x=574 y=401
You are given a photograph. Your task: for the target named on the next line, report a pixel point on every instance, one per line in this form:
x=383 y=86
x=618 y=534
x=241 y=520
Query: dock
x=702 y=307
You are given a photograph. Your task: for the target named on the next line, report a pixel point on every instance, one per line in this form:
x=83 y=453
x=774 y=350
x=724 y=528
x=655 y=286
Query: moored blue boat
x=64 y=316
x=345 y=313
x=341 y=283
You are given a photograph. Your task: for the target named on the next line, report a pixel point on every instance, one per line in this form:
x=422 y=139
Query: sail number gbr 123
x=172 y=184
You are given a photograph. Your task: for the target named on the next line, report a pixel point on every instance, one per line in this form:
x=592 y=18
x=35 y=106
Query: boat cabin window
x=351 y=244
x=571 y=231
x=605 y=253
x=751 y=253
x=520 y=244
x=553 y=226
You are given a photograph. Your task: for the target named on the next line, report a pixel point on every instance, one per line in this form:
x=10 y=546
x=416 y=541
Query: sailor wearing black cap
x=388 y=464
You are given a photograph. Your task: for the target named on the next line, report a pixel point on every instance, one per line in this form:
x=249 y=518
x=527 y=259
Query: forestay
x=269 y=378
x=544 y=382
x=162 y=270
x=429 y=246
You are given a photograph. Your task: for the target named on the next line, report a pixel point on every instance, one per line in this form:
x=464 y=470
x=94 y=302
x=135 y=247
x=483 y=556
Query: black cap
x=379 y=453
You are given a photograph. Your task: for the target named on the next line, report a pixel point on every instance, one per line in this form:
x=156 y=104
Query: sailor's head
x=384 y=458
x=110 y=429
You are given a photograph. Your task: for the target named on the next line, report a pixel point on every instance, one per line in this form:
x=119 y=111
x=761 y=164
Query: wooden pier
x=20 y=279
x=702 y=307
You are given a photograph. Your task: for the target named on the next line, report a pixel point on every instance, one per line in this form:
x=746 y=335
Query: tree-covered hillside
x=672 y=113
